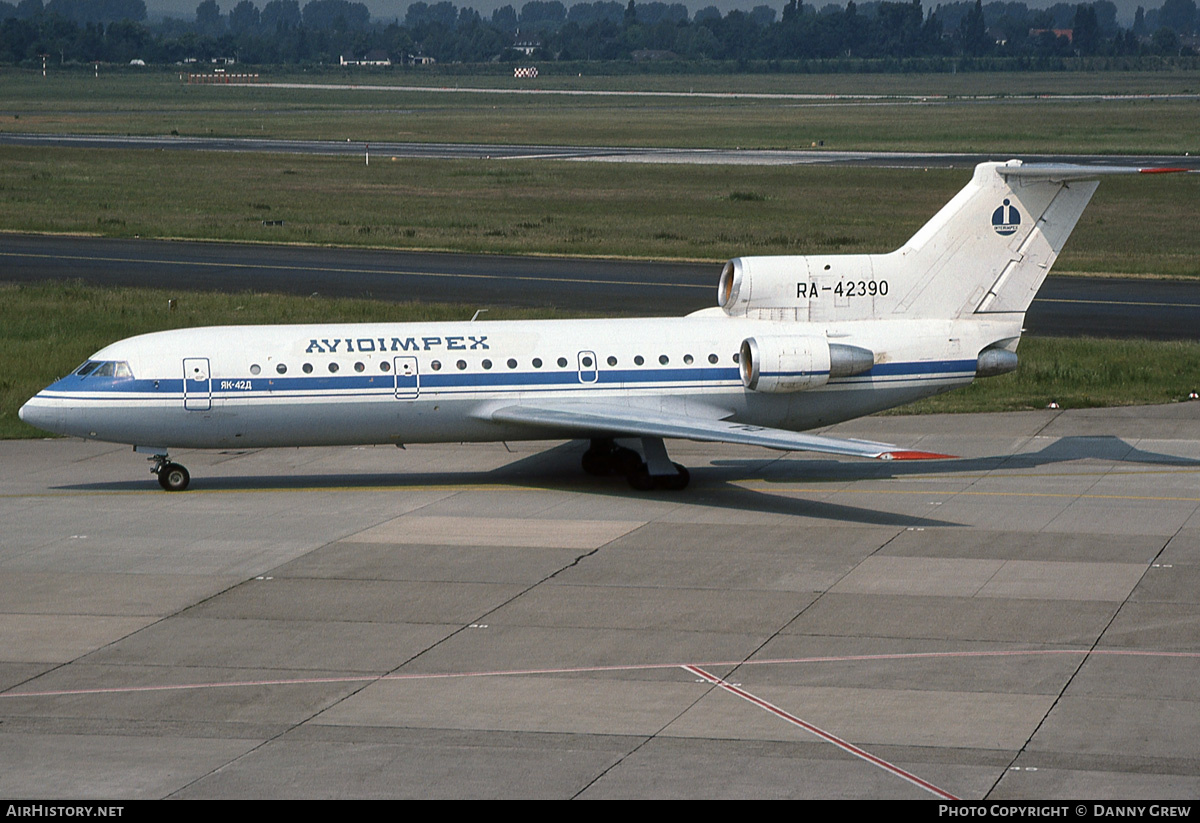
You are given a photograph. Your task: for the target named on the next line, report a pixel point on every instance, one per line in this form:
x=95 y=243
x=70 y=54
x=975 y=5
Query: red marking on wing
x=915 y=455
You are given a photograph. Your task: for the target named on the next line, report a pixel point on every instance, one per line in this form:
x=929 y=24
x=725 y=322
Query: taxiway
x=486 y=621
x=1065 y=306
x=604 y=154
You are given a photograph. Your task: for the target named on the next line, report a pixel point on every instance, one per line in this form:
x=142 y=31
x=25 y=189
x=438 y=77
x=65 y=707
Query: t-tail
x=986 y=252
x=983 y=256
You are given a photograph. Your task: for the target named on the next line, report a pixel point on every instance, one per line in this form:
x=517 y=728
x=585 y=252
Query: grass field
x=956 y=84
x=1137 y=226
x=683 y=212
x=48 y=329
x=966 y=113
x=704 y=213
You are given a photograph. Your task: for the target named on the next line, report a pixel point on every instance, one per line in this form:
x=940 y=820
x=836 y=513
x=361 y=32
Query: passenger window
x=436 y=365
x=662 y=358
x=306 y=368
x=461 y=364
x=639 y=360
x=255 y=369
x=512 y=364
x=537 y=362
x=712 y=358
x=487 y=364
x=282 y=369
x=735 y=357
x=612 y=361
x=384 y=366
x=562 y=362
x=687 y=358
x=359 y=366
x=333 y=367
x=587 y=362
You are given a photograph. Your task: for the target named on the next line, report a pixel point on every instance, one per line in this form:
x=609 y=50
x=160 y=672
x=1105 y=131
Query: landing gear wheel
x=643 y=481
x=604 y=458
x=625 y=461
x=675 y=482
x=596 y=463
x=173 y=477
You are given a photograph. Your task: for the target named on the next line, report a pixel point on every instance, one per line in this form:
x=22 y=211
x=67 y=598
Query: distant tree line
x=322 y=31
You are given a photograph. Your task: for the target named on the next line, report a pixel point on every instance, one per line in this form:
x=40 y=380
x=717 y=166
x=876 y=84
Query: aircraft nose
x=39 y=413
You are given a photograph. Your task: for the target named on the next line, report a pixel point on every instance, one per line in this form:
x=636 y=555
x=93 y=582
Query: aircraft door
x=589 y=371
x=197 y=384
x=408 y=380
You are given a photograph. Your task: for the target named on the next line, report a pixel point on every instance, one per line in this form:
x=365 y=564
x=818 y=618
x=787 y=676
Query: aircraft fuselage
x=257 y=386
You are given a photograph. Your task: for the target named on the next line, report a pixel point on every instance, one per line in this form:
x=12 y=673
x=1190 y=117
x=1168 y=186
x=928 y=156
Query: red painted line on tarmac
x=778 y=661
x=182 y=686
x=844 y=745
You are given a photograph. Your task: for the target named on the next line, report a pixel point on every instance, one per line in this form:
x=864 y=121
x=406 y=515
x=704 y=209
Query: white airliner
x=796 y=342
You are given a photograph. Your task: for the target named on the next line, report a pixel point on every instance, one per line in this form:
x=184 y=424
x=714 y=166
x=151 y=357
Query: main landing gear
x=171 y=476
x=604 y=458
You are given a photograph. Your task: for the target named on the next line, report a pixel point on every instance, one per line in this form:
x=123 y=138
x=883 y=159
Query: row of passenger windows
x=436 y=365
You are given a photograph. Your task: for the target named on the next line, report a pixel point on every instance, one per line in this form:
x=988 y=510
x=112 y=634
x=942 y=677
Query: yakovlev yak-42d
x=796 y=342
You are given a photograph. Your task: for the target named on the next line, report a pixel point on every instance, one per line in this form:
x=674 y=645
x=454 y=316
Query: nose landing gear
x=171 y=476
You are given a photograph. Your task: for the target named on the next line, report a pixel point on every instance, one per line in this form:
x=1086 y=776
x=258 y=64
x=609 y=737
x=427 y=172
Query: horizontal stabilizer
x=1063 y=172
x=597 y=420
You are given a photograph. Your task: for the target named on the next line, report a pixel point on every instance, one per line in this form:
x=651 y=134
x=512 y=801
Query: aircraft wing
x=593 y=420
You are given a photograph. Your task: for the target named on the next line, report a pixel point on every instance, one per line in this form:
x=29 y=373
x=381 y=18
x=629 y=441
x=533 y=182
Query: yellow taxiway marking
x=822 y=487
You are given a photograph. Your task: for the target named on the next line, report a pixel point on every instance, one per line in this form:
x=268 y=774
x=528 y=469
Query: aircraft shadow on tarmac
x=557 y=469
x=796 y=467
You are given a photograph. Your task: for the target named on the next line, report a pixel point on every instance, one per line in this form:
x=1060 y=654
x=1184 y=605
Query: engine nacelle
x=997 y=359
x=763 y=280
x=777 y=363
x=750 y=285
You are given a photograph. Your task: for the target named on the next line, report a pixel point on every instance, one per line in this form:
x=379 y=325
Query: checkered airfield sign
x=526 y=72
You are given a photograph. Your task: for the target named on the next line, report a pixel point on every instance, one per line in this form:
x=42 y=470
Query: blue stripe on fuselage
x=450 y=381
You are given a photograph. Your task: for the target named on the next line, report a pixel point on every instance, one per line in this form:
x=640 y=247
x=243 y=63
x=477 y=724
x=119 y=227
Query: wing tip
x=906 y=454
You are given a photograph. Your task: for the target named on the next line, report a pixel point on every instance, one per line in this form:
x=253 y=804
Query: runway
x=487 y=621
x=1070 y=306
x=608 y=154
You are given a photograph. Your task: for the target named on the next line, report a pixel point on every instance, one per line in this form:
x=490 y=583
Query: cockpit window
x=105 y=368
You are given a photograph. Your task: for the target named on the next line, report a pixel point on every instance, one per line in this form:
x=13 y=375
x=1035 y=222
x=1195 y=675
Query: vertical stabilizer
x=989 y=249
x=985 y=255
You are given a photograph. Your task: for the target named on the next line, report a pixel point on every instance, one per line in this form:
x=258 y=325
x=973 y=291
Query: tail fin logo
x=1006 y=219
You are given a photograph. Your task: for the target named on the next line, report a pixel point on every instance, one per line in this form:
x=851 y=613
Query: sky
x=388 y=10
